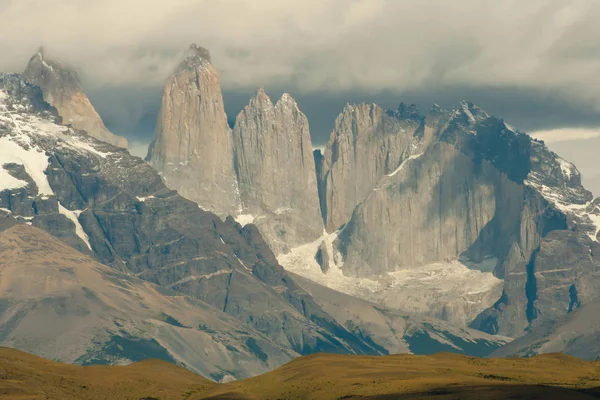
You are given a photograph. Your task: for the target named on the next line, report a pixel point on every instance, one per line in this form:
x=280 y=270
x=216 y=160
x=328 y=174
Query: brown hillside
x=27 y=377
x=441 y=376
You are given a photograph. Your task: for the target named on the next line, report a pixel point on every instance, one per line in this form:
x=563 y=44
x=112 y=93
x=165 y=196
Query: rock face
x=576 y=333
x=471 y=188
x=193 y=148
x=62 y=89
x=276 y=171
x=365 y=144
x=115 y=207
x=63 y=305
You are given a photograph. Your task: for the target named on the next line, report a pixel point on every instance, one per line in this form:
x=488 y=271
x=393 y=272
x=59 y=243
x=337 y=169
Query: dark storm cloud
x=308 y=45
x=535 y=63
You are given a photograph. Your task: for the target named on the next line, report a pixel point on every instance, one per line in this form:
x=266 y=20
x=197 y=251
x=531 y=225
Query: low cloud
x=138 y=148
x=312 y=45
x=565 y=134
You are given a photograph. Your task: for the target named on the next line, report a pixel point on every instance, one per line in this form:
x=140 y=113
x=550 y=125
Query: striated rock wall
x=276 y=171
x=366 y=144
x=193 y=149
x=480 y=190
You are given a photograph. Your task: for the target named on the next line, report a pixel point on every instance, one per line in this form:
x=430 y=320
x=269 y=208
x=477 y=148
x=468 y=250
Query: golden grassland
x=441 y=376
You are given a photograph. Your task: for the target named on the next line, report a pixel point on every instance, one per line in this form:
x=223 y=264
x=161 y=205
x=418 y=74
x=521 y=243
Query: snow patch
x=282 y=210
x=34 y=161
x=403 y=164
x=143 y=199
x=74 y=217
x=244 y=219
x=465 y=109
x=568 y=169
x=586 y=213
x=8 y=182
x=242 y=263
x=430 y=290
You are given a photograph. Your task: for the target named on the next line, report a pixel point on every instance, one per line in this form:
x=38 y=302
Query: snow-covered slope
x=456 y=291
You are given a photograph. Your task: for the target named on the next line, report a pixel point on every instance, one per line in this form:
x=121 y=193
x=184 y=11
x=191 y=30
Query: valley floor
x=320 y=376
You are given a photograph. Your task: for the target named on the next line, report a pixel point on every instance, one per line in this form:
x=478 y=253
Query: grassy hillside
x=440 y=376
x=24 y=376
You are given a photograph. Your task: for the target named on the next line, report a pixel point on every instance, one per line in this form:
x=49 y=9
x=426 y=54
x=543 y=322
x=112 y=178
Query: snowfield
x=455 y=291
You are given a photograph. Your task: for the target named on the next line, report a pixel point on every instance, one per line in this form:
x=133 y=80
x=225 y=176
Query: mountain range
x=232 y=250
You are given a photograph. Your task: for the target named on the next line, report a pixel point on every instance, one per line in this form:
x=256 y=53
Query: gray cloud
x=535 y=63
x=311 y=45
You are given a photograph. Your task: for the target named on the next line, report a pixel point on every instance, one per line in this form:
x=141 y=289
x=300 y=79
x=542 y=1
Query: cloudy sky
x=535 y=63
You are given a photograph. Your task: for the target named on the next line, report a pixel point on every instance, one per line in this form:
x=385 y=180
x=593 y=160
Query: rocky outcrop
x=323 y=257
x=475 y=189
x=276 y=171
x=62 y=89
x=366 y=144
x=63 y=305
x=576 y=333
x=116 y=208
x=193 y=148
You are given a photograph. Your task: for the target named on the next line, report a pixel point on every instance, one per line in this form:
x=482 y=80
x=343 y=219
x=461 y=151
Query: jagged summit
x=43 y=70
x=276 y=171
x=193 y=146
x=472 y=112
x=198 y=51
x=287 y=98
x=63 y=90
x=406 y=111
x=195 y=57
x=260 y=100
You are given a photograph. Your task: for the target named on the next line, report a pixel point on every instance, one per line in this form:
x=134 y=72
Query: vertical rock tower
x=276 y=171
x=62 y=90
x=193 y=148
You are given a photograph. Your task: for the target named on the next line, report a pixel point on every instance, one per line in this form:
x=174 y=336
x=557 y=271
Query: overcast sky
x=535 y=63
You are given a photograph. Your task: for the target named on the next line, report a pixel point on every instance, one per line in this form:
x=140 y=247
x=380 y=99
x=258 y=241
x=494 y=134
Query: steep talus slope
x=276 y=172
x=193 y=148
x=114 y=206
x=61 y=304
x=62 y=89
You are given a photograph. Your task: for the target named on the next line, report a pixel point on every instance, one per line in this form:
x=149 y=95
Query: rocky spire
x=62 y=89
x=193 y=147
x=276 y=171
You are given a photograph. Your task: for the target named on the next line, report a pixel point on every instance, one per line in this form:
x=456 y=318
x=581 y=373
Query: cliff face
x=115 y=207
x=62 y=89
x=193 y=149
x=365 y=144
x=473 y=189
x=276 y=171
